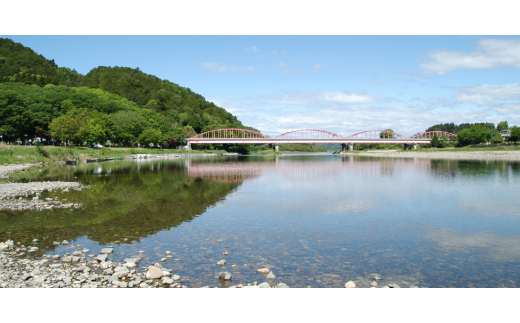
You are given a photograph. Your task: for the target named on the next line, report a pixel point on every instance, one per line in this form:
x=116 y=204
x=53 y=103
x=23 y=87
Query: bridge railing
x=230 y=133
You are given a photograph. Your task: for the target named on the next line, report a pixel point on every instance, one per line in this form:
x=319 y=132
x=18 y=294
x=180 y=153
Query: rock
x=67 y=259
x=264 y=270
x=158 y=265
x=164 y=259
x=168 y=252
x=385 y=287
x=144 y=285
x=35 y=241
x=176 y=277
x=376 y=277
x=221 y=263
x=130 y=264
x=56 y=243
x=282 y=285
x=85 y=250
x=107 y=250
x=394 y=286
x=225 y=276
x=166 y=273
x=108 y=271
x=77 y=253
x=373 y=284
x=167 y=281
x=25 y=277
x=240 y=286
x=76 y=259
x=141 y=252
x=56 y=257
x=102 y=257
x=154 y=273
x=123 y=284
x=350 y=284
x=270 y=276
x=64 y=242
x=264 y=285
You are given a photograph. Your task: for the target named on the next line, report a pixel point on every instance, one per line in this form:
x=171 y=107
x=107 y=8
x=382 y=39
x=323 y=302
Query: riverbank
x=78 y=269
x=444 y=154
x=13 y=154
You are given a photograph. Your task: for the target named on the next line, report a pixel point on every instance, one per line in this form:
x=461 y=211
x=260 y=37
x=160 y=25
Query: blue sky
x=343 y=84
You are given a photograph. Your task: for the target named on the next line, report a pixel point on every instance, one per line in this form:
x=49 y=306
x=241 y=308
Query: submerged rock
x=225 y=276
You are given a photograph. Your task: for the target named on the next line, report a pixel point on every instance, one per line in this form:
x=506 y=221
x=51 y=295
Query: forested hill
x=21 y=64
x=124 y=97
x=162 y=96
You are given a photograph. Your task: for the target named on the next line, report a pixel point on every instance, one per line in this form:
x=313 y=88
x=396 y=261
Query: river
x=315 y=220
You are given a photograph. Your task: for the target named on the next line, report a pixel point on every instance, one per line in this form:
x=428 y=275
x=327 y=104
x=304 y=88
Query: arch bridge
x=306 y=136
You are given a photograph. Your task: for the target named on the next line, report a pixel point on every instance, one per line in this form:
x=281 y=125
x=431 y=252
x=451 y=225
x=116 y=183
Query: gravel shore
x=76 y=269
x=5 y=170
x=462 y=155
x=19 y=196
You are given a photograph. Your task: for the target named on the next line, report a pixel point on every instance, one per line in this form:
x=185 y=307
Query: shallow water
x=314 y=220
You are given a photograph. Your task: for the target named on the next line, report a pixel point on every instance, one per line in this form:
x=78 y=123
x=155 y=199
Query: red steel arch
x=376 y=134
x=309 y=134
x=430 y=134
x=230 y=133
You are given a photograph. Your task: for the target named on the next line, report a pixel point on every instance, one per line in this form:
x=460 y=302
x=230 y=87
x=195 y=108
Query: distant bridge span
x=309 y=136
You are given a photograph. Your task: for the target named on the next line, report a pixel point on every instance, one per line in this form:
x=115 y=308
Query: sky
x=342 y=84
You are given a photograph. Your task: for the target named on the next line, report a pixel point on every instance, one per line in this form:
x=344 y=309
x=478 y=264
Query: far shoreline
x=443 y=154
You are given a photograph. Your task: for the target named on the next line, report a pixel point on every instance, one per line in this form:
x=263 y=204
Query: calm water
x=314 y=220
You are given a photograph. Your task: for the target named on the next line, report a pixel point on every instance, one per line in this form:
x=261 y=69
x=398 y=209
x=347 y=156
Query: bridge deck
x=305 y=141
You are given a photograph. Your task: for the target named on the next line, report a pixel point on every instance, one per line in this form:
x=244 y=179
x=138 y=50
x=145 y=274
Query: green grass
x=14 y=154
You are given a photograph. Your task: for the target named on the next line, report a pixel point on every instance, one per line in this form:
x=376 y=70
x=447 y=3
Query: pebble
x=264 y=270
x=264 y=285
x=373 y=284
x=168 y=252
x=107 y=250
x=154 y=273
x=64 y=242
x=221 y=263
x=164 y=259
x=270 y=276
x=350 y=284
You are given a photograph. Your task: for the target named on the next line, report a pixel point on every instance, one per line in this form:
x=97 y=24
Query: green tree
x=497 y=137
x=65 y=128
x=476 y=134
x=515 y=134
x=502 y=126
x=151 y=136
x=386 y=134
x=435 y=142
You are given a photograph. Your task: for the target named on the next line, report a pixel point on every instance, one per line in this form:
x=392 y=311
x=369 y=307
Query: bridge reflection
x=303 y=169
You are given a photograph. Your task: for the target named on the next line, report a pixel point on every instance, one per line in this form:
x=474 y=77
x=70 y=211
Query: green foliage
x=502 y=126
x=302 y=148
x=386 y=134
x=80 y=125
x=21 y=64
x=477 y=134
x=515 y=134
x=436 y=142
x=451 y=127
x=497 y=137
x=151 y=136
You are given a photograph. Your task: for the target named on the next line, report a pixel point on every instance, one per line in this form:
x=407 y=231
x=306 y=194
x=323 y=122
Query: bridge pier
x=276 y=148
x=415 y=146
x=188 y=146
x=343 y=147
x=351 y=146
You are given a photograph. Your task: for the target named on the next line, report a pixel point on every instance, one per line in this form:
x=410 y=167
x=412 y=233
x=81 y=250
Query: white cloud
x=284 y=69
x=317 y=66
x=274 y=52
x=252 y=49
x=490 y=53
x=486 y=94
x=222 y=68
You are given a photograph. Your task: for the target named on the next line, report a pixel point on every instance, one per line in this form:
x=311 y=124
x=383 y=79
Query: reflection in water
x=315 y=220
x=301 y=169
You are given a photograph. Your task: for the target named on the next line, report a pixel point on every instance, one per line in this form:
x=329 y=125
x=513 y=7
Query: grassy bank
x=13 y=154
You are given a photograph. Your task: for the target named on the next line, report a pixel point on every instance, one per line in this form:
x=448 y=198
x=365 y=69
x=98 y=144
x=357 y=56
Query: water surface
x=314 y=220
